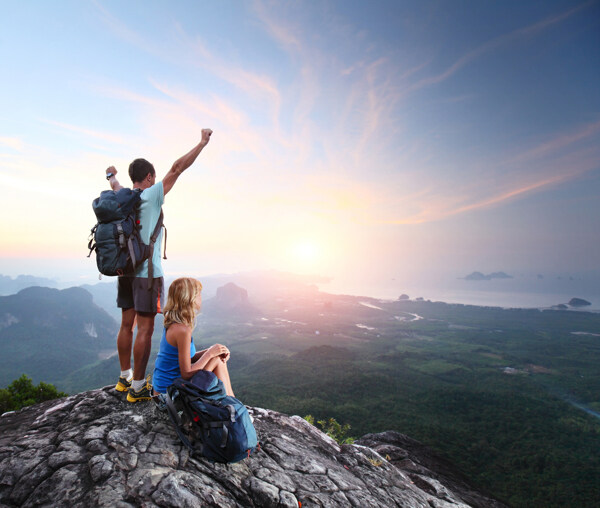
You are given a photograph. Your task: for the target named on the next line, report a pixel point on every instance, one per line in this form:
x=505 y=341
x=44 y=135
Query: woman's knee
x=212 y=364
x=221 y=368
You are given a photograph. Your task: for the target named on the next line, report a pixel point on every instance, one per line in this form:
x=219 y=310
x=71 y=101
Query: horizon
x=519 y=290
x=366 y=143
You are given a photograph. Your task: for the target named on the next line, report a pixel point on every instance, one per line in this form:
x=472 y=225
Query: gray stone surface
x=95 y=449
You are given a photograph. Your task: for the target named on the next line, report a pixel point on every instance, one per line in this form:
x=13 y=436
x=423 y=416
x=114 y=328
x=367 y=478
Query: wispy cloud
x=12 y=142
x=188 y=50
x=564 y=157
x=90 y=133
x=562 y=141
x=503 y=40
x=127 y=34
x=358 y=93
x=282 y=31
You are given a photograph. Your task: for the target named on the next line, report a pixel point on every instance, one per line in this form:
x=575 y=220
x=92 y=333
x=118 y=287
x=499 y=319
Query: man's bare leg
x=143 y=344
x=125 y=338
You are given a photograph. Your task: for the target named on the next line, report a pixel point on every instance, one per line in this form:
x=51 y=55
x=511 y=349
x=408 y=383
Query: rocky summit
x=96 y=449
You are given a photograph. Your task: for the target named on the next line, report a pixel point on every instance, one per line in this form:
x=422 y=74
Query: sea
x=526 y=291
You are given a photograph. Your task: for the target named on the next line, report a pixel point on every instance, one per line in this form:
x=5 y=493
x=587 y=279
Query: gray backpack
x=116 y=236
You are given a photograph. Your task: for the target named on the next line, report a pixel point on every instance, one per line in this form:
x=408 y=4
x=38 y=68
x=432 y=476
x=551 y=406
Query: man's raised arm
x=111 y=176
x=181 y=164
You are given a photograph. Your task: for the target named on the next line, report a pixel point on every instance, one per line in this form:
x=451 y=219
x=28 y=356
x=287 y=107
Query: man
x=138 y=301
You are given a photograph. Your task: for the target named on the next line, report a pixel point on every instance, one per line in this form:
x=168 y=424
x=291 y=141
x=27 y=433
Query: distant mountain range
x=47 y=333
x=262 y=286
x=105 y=296
x=10 y=286
x=68 y=337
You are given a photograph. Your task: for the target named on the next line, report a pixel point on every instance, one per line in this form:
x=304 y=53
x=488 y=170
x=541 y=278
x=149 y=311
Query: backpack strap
x=165 y=242
x=131 y=251
x=92 y=242
x=153 y=238
x=223 y=424
x=231 y=413
x=175 y=418
x=218 y=425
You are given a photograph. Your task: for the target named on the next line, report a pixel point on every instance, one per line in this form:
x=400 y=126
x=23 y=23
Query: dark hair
x=139 y=169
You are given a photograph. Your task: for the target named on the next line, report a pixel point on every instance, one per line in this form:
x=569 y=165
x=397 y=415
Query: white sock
x=127 y=374
x=138 y=384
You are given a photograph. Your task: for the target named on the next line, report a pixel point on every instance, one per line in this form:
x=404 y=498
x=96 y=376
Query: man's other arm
x=181 y=164
x=114 y=183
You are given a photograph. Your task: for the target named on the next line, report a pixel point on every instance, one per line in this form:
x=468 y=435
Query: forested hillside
x=47 y=334
x=499 y=392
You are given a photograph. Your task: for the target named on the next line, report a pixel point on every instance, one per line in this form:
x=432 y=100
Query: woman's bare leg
x=223 y=374
x=219 y=367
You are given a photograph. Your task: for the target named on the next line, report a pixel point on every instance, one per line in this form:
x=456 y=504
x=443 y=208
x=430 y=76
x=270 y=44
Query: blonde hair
x=180 y=302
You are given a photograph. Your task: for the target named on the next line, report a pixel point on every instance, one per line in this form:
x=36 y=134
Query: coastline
x=474 y=297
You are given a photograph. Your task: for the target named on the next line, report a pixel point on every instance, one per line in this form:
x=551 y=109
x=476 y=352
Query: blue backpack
x=208 y=421
x=116 y=236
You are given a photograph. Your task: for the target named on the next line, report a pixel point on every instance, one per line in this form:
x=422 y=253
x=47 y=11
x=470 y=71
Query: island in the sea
x=578 y=302
x=490 y=276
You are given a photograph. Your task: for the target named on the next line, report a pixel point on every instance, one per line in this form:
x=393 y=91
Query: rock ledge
x=95 y=449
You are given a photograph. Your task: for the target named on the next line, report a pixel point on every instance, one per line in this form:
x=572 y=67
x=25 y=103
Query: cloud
x=103 y=136
x=127 y=34
x=186 y=50
x=285 y=33
x=12 y=142
x=510 y=194
x=562 y=141
x=493 y=44
x=564 y=157
x=366 y=112
x=353 y=93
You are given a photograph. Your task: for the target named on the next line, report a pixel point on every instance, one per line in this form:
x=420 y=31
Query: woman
x=177 y=356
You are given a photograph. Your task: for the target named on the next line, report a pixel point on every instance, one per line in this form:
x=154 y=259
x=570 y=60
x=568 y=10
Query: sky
x=363 y=141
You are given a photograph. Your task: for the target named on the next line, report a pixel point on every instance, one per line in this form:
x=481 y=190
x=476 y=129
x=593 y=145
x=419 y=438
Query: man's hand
x=112 y=170
x=206 y=136
x=181 y=164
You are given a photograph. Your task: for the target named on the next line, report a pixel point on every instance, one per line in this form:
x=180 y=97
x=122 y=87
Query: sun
x=306 y=252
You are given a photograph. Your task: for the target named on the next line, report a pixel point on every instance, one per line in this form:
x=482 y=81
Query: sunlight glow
x=306 y=252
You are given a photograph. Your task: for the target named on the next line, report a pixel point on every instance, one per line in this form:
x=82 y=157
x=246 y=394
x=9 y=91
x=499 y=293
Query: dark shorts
x=133 y=292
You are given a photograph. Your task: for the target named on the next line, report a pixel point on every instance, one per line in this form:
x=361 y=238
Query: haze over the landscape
x=367 y=142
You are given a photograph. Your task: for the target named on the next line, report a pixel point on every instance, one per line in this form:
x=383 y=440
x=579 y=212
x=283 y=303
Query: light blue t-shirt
x=151 y=203
x=166 y=367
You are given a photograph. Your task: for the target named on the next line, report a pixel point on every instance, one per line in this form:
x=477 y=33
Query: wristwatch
x=109 y=176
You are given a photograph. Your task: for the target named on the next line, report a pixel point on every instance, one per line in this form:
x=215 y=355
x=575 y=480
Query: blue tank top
x=166 y=367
